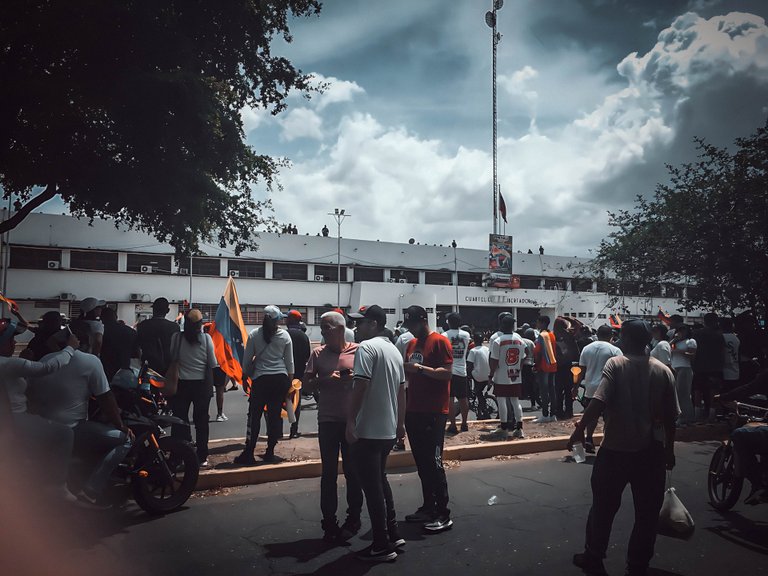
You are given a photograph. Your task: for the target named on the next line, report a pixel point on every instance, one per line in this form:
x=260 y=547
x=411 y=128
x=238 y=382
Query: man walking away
x=708 y=365
x=154 y=336
x=428 y=366
x=480 y=369
x=566 y=353
x=118 y=344
x=459 y=340
x=592 y=361
x=301 y=350
x=637 y=400
x=376 y=417
x=507 y=354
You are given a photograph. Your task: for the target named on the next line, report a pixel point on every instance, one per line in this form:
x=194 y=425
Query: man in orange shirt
x=545 y=367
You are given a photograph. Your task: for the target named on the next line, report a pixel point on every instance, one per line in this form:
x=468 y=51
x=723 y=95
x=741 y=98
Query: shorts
x=219 y=377
x=459 y=386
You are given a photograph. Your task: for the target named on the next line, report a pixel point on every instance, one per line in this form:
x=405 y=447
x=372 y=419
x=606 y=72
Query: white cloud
x=336 y=91
x=301 y=123
x=253 y=118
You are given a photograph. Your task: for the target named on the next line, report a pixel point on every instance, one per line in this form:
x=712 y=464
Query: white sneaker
x=552 y=418
x=498 y=434
x=221 y=418
x=541 y=420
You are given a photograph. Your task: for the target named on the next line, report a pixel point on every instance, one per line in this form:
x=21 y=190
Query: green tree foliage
x=130 y=110
x=707 y=227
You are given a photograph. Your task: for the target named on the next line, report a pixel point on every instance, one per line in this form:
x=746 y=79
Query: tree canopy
x=707 y=227
x=130 y=110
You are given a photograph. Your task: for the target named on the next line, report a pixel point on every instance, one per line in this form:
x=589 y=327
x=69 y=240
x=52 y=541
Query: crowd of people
x=376 y=386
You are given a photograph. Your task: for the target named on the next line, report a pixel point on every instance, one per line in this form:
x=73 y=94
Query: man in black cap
x=637 y=400
x=375 y=419
x=154 y=336
x=428 y=365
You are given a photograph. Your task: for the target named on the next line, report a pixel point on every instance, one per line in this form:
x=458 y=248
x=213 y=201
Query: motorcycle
x=159 y=471
x=724 y=484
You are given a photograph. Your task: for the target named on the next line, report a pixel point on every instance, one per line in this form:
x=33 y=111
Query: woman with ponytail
x=268 y=364
x=194 y=351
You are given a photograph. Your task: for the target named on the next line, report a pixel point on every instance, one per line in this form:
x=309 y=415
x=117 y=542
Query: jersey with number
x=509 y=350
x=460 y=340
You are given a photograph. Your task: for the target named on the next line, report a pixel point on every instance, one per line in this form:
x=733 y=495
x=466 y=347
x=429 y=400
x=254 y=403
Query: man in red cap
x=301 y=351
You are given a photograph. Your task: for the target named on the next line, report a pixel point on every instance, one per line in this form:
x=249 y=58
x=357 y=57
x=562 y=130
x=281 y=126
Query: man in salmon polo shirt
x=428 y=367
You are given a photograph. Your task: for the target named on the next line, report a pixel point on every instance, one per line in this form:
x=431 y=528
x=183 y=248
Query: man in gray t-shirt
x=636 y=397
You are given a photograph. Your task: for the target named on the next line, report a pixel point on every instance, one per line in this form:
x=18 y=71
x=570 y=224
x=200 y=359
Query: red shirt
x=427 y=394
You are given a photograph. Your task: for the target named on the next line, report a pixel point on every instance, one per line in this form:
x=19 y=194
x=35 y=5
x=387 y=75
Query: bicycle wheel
x=491 y=407
x=722 y=484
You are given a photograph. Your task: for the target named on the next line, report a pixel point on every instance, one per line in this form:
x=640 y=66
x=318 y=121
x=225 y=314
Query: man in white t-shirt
x=731 y=360
x=592 y=361
x=479 y=368
x=506 y=362
x=459 y=386
x=376 y=418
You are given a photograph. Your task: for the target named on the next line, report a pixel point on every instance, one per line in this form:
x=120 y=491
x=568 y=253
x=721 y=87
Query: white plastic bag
x=674 y=518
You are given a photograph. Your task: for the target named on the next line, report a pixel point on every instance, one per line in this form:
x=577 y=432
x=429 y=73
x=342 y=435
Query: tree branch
x=16 y=219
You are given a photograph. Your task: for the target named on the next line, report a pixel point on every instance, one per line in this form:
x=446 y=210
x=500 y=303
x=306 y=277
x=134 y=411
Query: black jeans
x=563 y=405
x=268 y=390
x=644 y=471
x=331 y=437
x=370 y=460
x=530 y=388
x=197 y=394
x=482 y=405
x=426 y=433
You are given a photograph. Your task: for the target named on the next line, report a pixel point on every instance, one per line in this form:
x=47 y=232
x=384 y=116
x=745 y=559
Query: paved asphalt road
x=534 y=529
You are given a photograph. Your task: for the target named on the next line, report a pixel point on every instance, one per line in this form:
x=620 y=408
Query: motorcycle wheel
x=155 y=493
x=722 y=484
x=491 y=407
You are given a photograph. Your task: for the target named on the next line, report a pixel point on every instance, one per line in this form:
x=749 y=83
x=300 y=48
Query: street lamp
x=339 y=216
x=490 y=20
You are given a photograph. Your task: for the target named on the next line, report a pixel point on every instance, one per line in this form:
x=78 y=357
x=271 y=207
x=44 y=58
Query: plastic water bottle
x=492 y=500
x=578 y=453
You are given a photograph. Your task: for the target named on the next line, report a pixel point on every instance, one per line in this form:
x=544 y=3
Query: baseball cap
x=637 y=330
x=274 y=312
x=89 y=304
x=414 y=314
x=294 y=315
x=372 y=312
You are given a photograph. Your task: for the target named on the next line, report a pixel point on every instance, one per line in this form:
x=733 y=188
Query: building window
x=581 y=284
x=530 y=282
x=602 y=316
x=285 y=271
x=404 y=276
x=439 y=278
x=328 y=273
x=365 y=274
x=92 y=260
x=35 y=258
x=470 y=279
x=246 y=269
x=206 y=267
x=149 y=263
x=208 y=311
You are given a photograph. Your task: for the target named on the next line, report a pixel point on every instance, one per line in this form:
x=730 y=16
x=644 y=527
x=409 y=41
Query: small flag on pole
x=615 y=321
x=11 y=303
x=663 y=317
x=502 y=207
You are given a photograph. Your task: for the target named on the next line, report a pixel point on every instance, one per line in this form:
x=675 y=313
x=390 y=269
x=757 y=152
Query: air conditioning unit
x=473 y=284
x=319 y=278
x=140 y=298
x=68 y=296
x=234 y=273
x=391 y=280
x=183 y=271
x=146 y=269
x=402 y=281
x=53 y=264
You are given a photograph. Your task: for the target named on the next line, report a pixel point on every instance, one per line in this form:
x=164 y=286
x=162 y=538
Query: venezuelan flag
x=229 y=334
x=11 y=303
x=615 y=321
x=663 y=317
x=547 y=345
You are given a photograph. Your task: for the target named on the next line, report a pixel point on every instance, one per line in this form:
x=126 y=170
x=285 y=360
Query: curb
x=210 y=479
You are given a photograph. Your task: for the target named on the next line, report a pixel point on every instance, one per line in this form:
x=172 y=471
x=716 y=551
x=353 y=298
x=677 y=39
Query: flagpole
x=490 y=20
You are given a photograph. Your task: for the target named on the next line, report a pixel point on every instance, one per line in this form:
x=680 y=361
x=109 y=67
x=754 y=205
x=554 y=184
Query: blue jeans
x=110 y=443
x=546 y=384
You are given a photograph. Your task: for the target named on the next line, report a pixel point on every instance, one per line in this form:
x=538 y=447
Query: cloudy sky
x=594 y=97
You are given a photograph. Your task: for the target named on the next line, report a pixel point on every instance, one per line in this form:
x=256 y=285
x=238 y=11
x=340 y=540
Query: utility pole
x=339 y=216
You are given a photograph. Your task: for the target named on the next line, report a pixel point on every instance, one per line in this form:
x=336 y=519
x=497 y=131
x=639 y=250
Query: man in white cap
x=90 y=316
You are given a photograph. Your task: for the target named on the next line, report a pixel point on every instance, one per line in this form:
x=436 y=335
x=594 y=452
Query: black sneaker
x=452 y=430
x=395 y=539
x=465 y=427
x=421 y=515
x=399 y=446
x=440 y=524
x=589 y=564
x=245 y=459
x=349 y=529
x=370 y=554
x=589 y=447
x=331 y=535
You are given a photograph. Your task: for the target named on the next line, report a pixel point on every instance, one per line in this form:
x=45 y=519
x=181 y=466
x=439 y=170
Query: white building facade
x=51 y=262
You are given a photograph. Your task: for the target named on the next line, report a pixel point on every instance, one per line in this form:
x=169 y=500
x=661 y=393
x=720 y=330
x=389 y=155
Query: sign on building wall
x=500 y=263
